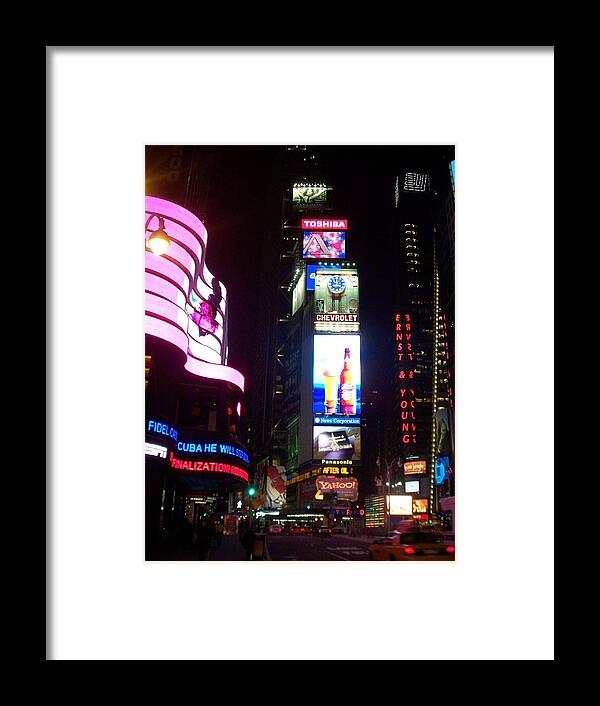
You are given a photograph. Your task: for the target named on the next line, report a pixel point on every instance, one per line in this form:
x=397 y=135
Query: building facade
x=422 y=325
x=195 y=460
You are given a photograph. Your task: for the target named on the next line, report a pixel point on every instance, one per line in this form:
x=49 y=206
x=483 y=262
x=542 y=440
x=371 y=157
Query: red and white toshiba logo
x=329 y=224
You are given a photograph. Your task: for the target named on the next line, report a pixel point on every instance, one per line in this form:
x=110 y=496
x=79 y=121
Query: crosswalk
x=348 y=553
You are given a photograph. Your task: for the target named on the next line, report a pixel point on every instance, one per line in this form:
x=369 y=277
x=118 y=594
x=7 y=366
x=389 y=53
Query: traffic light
x=251 y=491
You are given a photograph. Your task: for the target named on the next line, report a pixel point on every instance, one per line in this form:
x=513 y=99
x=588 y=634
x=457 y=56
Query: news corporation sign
x=324 y=421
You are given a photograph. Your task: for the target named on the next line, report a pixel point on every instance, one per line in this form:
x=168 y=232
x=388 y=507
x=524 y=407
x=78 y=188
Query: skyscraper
x=420 y=330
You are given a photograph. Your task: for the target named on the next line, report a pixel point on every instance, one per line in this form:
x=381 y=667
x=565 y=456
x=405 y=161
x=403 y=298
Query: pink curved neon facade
x=179 y=288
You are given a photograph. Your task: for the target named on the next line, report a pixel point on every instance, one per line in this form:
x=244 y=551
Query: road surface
x=310 y=548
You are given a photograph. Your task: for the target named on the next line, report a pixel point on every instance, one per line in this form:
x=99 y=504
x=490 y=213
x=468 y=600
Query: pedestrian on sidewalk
x=247 y=540
x=203 y=541
x=219 y=529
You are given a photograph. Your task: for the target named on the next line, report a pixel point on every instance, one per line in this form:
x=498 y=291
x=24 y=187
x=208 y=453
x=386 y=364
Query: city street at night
x=309 y=384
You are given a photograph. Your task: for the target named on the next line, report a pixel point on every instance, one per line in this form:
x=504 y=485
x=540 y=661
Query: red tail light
x=409 y=550
x=450 y=550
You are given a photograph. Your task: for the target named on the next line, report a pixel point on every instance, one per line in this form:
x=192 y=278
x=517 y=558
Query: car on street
x=298 y=529
x=323 y=531
x=415 y=545
x=275 y=529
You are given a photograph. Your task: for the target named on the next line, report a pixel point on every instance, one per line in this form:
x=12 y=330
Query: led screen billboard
x=419 y=506
x=411 y=486
x=341 y=488
x=311 y=271
x=411 y=467
x=441 y=469
x=336 y=300
x=309 y=194
x=322 y=244
x=341 y=443
x=401 y=504
x=336 y=375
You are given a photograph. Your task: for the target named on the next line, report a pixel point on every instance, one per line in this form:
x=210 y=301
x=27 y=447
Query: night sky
x=244 y=217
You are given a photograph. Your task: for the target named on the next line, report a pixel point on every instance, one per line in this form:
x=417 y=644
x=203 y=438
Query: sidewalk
x=230 y=550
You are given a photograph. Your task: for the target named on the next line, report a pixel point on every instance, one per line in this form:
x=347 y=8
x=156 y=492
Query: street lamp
x=159 y=241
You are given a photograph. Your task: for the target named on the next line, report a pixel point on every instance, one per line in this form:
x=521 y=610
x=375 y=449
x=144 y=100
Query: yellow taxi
x=412 y=545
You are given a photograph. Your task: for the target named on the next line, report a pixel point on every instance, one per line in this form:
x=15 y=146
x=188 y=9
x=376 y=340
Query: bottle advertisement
x=336 y=376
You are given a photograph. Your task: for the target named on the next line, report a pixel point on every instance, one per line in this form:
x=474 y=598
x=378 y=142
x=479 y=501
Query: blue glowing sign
x=160 y=428
x=441 y=469
x=212 y=447
x=310 y=275
x=452 y=172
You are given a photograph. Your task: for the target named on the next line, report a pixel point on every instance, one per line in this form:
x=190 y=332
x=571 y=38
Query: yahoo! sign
x=344 y=488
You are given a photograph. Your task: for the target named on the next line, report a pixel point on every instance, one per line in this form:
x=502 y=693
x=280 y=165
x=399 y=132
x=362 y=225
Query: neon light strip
x=166 y=306
x=165 y=267
x=161 y=307
x=216 y=372
x=204 y=352
x=192 y=233
x=169 y=332
x=173 y=210
x=207 y=467
x=164 y=288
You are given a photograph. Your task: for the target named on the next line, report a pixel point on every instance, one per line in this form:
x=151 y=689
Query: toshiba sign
x=325 y=223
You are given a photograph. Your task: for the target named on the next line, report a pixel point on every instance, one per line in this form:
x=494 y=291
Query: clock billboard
x=336 y=300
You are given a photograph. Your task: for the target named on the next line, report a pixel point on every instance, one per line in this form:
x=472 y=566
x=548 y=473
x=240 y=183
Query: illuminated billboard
x=374 y=511
x=311 y=271
x=321 y=244
x=341 y=443
x=336 y=300
x=411 y=486
x=324 y=224
x=453 y=174
x=275 y=488
x=419 y=506
x=401 y=505
x=342 y=488
x=411 y=467
x=309 y=194
x=336 y=375
x=298 y=293
x=441 y=469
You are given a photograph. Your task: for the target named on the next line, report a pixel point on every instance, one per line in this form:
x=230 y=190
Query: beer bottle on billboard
x=347 y=389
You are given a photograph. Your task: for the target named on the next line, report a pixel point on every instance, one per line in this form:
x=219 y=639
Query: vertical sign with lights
x=404 y=359
x=336 y=346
